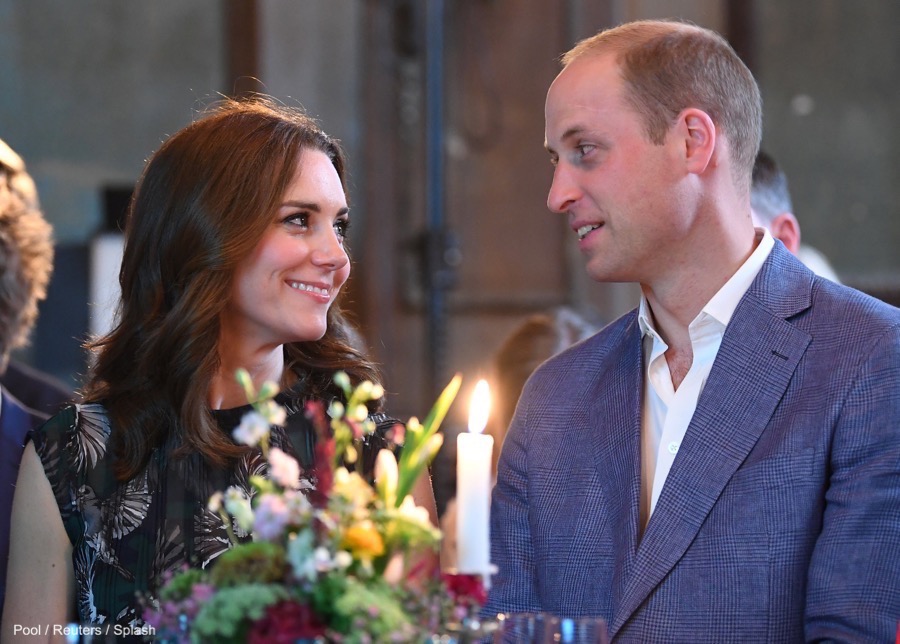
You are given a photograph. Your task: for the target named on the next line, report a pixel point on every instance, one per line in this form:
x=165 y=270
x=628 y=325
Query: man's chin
x=605 y=273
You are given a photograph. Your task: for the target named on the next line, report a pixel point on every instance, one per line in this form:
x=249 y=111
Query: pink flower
x=284 y=469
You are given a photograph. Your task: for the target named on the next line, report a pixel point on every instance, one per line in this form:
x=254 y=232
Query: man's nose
x=564 y=190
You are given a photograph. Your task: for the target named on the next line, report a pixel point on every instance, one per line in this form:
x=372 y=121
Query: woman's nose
x=331 y=253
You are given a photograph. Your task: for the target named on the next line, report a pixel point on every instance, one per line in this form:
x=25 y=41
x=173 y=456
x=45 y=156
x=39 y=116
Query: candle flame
x=480 y=407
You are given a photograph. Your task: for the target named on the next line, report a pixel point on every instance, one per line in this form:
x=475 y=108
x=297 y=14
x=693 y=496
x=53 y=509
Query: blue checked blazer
x=780 y=518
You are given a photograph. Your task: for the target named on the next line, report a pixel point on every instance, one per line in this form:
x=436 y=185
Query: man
x=772 y=208
x=26 y=260
x=722 y=463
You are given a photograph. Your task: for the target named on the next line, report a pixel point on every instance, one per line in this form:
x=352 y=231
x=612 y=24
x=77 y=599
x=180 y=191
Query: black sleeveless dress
x=127 y=536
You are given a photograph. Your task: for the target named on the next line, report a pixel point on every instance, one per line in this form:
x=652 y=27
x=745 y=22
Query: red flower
x=285 y=623
x=321 y=471
x=465 y=588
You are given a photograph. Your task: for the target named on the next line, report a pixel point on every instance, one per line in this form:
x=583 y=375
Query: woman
x=234 y=257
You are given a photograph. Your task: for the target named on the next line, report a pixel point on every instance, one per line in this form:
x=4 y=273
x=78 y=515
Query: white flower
x=322 y=559
x=215 y=502
x=252 y=429
x=238 y=506
x=414 y=513
x=386 y=475
x=273 y=413
x=300 y=554
x=342 y=559
x=298 y=506
x=284 y=469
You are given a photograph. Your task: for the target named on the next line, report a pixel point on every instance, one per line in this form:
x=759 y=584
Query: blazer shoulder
x=823 y=308
x=849 y=309
x=611 y=338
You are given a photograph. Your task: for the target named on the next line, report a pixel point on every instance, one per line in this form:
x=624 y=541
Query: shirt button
x=673 y=448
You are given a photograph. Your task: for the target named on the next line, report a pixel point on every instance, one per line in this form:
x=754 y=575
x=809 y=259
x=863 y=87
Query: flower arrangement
x=333 y=558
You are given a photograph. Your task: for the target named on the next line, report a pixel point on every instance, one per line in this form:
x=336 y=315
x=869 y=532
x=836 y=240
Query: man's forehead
x=582 y=114
x=585 y=84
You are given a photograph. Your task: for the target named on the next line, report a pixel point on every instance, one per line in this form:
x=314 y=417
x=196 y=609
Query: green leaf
x=246 y=383
x=418 y=449
x=442 y=405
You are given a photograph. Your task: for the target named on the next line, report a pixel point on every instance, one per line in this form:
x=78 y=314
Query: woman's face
x=282 y=290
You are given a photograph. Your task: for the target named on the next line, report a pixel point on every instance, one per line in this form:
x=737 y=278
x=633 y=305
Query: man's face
x=625 y=197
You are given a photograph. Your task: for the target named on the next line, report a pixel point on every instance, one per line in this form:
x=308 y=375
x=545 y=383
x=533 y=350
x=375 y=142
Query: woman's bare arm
x=40 y=580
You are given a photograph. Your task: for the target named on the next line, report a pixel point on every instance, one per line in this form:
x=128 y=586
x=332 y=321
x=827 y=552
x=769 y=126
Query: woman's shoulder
x=75 y=418
x=80 y=431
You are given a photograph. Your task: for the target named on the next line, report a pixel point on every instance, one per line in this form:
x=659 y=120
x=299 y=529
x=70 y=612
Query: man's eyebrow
x=572 y=132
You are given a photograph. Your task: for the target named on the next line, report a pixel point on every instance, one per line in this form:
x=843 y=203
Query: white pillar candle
x=473 y=488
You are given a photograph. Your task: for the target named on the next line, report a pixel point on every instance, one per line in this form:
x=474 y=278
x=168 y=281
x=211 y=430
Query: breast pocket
x=774 y=495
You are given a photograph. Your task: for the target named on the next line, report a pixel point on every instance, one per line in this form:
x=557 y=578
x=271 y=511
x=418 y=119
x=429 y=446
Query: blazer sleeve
x=513 y=588
x=853 y=589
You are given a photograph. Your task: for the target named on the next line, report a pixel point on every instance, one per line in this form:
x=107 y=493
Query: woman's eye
x=299 y=219
x=341 y=227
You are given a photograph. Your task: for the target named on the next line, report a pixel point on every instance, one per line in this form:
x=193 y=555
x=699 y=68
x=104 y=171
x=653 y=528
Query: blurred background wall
x=89 y=88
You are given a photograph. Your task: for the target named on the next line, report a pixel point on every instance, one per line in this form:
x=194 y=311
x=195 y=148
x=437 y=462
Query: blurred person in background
x=535 y=339
x=26 y=261
x=772 y=208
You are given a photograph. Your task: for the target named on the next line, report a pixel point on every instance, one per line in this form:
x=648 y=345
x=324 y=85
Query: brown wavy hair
x=201 y=205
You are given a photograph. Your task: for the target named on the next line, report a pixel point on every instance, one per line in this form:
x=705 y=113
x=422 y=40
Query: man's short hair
x=769 y=194
x=26 y=253
x=669 y=66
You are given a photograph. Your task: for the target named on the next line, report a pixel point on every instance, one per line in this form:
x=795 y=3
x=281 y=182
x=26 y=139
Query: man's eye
x=585 y=149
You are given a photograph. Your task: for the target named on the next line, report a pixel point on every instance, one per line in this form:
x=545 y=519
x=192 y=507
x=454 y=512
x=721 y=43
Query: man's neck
x=678 y=299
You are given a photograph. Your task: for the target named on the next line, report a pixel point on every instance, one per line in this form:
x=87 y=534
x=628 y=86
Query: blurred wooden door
x=514 y=257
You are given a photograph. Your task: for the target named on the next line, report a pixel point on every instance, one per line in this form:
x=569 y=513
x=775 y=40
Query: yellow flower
x=353 y=488
x=364 y=541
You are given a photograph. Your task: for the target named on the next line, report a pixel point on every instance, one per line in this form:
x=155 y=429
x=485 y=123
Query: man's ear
x=699 y=136
x=786 y=228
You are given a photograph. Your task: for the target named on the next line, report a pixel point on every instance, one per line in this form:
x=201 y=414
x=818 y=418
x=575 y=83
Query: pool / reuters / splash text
x=81 y=630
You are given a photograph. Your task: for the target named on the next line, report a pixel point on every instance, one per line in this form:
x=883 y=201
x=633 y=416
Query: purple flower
x=271 y=517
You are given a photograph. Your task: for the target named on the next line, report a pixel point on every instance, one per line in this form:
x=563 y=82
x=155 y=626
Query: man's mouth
x=584 y=230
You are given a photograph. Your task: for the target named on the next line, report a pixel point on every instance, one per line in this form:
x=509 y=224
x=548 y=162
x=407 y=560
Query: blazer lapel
x=758 y=356
x=616 y=407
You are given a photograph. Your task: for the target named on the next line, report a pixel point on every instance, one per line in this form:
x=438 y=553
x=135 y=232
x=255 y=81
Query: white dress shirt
x=666 y=412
